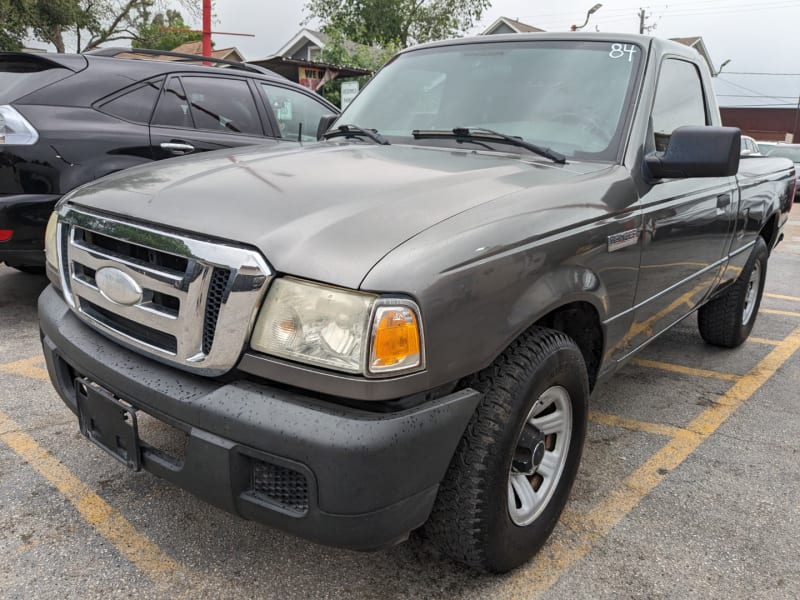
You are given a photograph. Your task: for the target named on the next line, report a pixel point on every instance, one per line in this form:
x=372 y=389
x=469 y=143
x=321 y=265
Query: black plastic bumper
x=371 y=478
x=26 y=215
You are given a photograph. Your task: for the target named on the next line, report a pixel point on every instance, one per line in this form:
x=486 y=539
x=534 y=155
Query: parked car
x=410 y=337
x=67 y=119
x=790 y=151
x=749 y=147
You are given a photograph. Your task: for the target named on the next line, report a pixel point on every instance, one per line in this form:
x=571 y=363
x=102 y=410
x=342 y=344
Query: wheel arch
x=770 y=231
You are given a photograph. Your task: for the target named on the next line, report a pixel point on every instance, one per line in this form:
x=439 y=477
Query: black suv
x=67 y=119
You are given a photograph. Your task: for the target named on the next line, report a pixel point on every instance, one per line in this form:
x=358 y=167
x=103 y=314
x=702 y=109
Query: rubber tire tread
x=720 y=320
x=459 y=525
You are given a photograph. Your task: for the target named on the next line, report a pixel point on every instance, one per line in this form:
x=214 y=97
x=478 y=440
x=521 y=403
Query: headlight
x=51 y=241
x=338 y=329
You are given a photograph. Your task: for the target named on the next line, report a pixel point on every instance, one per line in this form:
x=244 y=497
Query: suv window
x=679 y=100
x=296 y=113
x=173 y=107
x=137 y=104
x=223 y=105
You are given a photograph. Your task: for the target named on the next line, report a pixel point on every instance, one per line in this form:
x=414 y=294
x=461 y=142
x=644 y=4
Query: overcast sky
x=756 y=35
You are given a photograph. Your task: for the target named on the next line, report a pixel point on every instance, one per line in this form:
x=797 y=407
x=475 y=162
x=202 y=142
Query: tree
x=404 y=22
x=91 y=23
x=42 y=17
x=162 y=31
x=339 y=50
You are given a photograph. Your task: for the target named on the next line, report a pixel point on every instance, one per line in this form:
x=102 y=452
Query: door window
x=679 y=100
x=297 y=114
x=222 y=105
x=173 y=107
x=137 y=104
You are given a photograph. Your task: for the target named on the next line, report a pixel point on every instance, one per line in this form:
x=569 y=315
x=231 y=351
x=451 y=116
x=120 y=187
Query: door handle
x=723 y=200
x=176 y=148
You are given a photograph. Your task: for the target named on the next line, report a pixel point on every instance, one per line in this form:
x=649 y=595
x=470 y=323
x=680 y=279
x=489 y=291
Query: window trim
x=313 y=96
x=246 y=80
x=99 y=104
x=703 y=91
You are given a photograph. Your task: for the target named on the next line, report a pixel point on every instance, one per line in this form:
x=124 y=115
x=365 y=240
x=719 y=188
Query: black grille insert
x=279 y=485
x=140 y=332
x=140 y=254
x=216 y=295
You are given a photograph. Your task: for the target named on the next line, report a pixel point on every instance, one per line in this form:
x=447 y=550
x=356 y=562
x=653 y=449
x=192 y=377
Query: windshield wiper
x=480 y=133
x=353 y=131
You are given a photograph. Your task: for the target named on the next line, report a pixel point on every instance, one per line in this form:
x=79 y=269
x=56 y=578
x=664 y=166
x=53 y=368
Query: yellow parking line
x=560 y=555
x=28 y=367
x=765 y=341
x=643 y=426
x=785 y=313
x=107 y=521
x=654 y=364
x=783 y=297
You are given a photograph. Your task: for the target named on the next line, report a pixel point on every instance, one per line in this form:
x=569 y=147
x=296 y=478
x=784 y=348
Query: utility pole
x=643 y=27
x=206 y=27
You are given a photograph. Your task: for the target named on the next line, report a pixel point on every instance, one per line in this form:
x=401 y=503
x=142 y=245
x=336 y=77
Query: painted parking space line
x=765 y=341
x=643 y=426
x=133 y=545
x=27 y=367
x=784 y=313
x=663 y=366
x=560 y=555
x=783 y=297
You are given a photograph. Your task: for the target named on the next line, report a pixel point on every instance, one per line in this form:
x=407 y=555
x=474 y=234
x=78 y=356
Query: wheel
x=728 y=319
x=514 y=467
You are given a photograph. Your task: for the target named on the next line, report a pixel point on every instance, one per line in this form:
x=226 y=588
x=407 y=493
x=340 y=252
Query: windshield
x=790 y=152
x=570 y=96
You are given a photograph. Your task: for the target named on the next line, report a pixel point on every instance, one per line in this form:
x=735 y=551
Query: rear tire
x=497 y=505
x=728 y=319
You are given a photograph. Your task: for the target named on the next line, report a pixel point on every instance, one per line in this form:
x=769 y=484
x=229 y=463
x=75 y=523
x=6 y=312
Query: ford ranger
x=400 y=324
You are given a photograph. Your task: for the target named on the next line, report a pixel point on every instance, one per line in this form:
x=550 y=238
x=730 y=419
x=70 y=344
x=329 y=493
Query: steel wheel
x=751 y=295
x=540 y=455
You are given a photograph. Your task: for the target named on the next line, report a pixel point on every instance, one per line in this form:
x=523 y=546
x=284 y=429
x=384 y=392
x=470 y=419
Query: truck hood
x=327 y=212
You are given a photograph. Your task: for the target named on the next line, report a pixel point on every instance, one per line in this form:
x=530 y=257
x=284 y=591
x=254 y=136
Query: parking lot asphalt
x=689 y=487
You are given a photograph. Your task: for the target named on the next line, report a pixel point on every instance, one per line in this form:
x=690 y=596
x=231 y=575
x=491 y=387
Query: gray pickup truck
x=400 y=325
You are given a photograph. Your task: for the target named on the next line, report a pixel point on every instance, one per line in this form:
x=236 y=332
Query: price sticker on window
x=620 y=50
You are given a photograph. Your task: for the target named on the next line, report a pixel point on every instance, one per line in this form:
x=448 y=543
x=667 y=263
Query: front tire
x=515 y=465
x=728 y=319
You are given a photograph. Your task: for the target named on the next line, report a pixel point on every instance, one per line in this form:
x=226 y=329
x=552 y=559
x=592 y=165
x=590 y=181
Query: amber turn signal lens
x=395 y=340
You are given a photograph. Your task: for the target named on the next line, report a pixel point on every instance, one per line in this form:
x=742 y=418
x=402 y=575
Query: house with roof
x=506 y=25
x=222 y=54
x=299 y=60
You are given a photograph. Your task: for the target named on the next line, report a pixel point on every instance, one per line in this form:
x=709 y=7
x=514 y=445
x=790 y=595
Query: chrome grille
x=196 y=300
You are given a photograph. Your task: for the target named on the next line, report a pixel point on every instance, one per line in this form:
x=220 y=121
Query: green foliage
x=339 y=50
x=13 y=18
x=151 y=32
x=404 y=22
x=92 y=22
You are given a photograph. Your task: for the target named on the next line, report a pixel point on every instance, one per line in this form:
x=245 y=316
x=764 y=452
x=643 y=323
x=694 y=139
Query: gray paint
x=486 y=243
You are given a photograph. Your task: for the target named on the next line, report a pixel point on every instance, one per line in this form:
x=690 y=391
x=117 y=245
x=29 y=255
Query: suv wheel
x=513 y=470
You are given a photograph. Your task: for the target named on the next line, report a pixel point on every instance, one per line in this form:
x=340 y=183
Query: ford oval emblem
x=117 y=286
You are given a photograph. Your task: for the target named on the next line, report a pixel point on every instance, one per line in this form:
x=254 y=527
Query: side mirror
x=325 y=123
x=697 y=152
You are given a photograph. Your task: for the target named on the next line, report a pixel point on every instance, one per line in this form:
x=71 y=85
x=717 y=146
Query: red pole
x=206 y=27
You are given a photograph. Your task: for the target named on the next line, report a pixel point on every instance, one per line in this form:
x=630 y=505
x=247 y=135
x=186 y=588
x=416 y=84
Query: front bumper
x=26 y=215
x=371 y=478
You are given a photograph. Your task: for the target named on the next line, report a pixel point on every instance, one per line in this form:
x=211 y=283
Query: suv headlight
x=339 y=329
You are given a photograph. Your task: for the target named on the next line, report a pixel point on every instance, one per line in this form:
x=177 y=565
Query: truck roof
x=660 y=45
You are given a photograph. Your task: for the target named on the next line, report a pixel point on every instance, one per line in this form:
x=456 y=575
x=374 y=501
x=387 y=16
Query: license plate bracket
x=109 y=423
